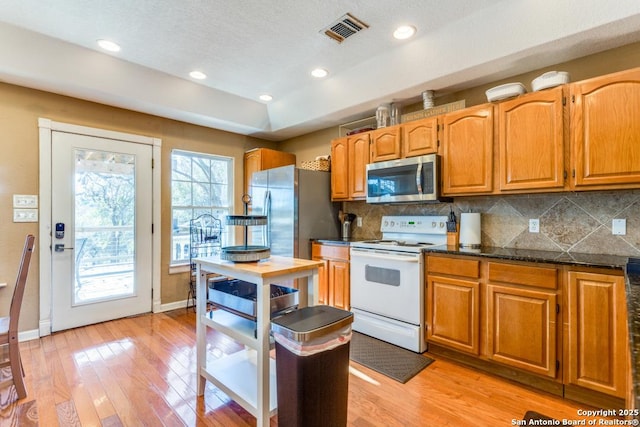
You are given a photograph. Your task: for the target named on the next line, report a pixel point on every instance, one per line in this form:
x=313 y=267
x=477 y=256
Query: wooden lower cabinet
x=334 y=275
x=453 y=303
x=521 y=328
x=521 y=311
x=453 y=313
x=598 y=340
x=556 y=327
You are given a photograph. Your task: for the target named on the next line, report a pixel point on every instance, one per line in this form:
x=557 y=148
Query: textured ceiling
x=251 y=47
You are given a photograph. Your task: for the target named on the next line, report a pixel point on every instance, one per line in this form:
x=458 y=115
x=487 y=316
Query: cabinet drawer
x=330 y=251
x=454 y=266
x=540 y=277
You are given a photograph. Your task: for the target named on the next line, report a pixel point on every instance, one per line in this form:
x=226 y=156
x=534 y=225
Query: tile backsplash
x=570 y=222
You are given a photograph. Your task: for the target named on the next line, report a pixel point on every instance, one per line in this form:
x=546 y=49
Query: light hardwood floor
x=140 y=371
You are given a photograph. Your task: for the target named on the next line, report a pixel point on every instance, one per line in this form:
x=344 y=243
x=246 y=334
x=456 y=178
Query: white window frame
x=227 y=234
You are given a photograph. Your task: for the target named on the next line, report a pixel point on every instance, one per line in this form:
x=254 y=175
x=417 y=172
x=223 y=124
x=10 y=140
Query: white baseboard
x=33 y=334
x=171 y=306
x=45 y=326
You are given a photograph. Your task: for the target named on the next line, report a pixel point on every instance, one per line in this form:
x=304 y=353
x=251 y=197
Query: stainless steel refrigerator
x=298 y=206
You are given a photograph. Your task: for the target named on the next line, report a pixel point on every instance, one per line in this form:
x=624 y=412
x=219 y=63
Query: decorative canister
x=382 y=116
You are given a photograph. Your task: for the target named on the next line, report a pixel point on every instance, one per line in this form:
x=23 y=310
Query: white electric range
x=387 y=279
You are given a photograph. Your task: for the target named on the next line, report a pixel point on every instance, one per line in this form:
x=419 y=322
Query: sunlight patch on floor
x=362 y=375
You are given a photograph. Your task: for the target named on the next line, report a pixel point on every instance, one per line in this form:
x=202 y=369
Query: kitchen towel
x=470 y=229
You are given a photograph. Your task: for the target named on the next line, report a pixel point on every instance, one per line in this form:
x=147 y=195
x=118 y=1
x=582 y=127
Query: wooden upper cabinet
x=531 y=142
x=605 y=131
x=349 y=158
x=339 y=169
x=358 y=149
x=420 y=137
x=260 y=159
x=467 y=151
x=385 y=144
x=598 y=338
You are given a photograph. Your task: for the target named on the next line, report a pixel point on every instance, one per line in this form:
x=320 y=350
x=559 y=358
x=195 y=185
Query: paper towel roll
x=470 y=230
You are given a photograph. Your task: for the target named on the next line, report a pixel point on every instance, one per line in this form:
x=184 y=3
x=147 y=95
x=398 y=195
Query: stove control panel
x=414 y=224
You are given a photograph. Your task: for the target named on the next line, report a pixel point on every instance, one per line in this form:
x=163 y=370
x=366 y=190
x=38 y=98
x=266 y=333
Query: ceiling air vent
x=344 y=27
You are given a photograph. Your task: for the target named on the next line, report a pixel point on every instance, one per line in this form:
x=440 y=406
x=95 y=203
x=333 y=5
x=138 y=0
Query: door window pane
x=104 y=211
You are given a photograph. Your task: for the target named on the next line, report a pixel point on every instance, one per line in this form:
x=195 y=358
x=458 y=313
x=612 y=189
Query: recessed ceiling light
x=404 y=32
x=198 y=75
x=266 y=97
x=319 y=73
x=109 y=45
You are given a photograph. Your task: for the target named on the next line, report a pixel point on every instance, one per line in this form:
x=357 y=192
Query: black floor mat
x=388 y=359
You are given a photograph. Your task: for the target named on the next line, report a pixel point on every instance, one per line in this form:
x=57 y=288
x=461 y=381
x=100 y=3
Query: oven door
x=388 y=283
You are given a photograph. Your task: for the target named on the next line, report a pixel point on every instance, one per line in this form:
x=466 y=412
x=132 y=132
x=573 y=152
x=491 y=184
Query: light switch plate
x=359 y=221
x=25 y=215
x=619 y=227
x=25 y=201
x=534 y=226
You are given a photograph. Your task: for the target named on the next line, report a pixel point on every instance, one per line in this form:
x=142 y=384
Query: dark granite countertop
x=528 y=255
x=333 y=241
x=633 y=311
x=338 y=240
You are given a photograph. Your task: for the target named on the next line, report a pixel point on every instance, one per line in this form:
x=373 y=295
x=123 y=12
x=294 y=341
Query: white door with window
x=101 y=243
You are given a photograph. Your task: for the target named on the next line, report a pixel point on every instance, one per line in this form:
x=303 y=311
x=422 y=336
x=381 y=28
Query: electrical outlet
x=534 y=226
x=619 y=227
x=359 y=221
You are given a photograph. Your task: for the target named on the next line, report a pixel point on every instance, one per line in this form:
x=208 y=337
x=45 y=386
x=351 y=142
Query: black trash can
x=312 y=366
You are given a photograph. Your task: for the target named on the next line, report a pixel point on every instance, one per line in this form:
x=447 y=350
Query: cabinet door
x=420 y=137
x=531 y=143
x=358 y=159
x=339 y=284
x=597 y=332
x=252 y=163
x=605 y=131
x=521 y=328
x=323 y=281
x=385 y=144
x=339 y=169
x=264 y=158
x=453 y=313
x=467 y=142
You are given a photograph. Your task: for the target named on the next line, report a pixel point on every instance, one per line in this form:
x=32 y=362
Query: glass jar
x=382 y=116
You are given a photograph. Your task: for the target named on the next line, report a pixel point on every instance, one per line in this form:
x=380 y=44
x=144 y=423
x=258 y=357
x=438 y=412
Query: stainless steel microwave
x=414 y=179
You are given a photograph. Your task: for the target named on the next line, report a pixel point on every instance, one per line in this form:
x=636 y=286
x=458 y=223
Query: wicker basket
x=316 y=165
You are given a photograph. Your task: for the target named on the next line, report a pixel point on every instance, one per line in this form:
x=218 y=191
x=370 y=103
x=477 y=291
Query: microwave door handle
x=419 y=178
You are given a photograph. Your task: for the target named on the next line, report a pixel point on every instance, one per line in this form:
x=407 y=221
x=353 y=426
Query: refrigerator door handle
x=266 y=231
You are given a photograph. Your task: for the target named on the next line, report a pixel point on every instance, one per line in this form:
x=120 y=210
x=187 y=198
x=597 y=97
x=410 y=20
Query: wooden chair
x=9 y=325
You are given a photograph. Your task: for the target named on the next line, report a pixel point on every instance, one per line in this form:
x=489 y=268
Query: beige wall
x=20 y=109
x=312 y=145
